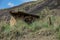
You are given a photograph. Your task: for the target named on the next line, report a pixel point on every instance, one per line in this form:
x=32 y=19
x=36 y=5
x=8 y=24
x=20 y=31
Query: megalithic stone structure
x=30 y=14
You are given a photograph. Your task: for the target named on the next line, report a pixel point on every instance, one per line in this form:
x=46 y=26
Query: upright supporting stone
x=50 y=20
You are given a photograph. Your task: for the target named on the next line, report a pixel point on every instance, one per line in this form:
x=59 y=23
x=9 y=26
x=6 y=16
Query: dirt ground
x=42 y=34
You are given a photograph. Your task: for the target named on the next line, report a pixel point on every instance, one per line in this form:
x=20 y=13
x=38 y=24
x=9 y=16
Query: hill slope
x=47 y=27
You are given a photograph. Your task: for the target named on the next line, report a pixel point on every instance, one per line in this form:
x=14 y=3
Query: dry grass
x=21 y=28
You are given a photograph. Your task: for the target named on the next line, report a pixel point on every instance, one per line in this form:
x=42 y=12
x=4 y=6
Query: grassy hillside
x=47 y=27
